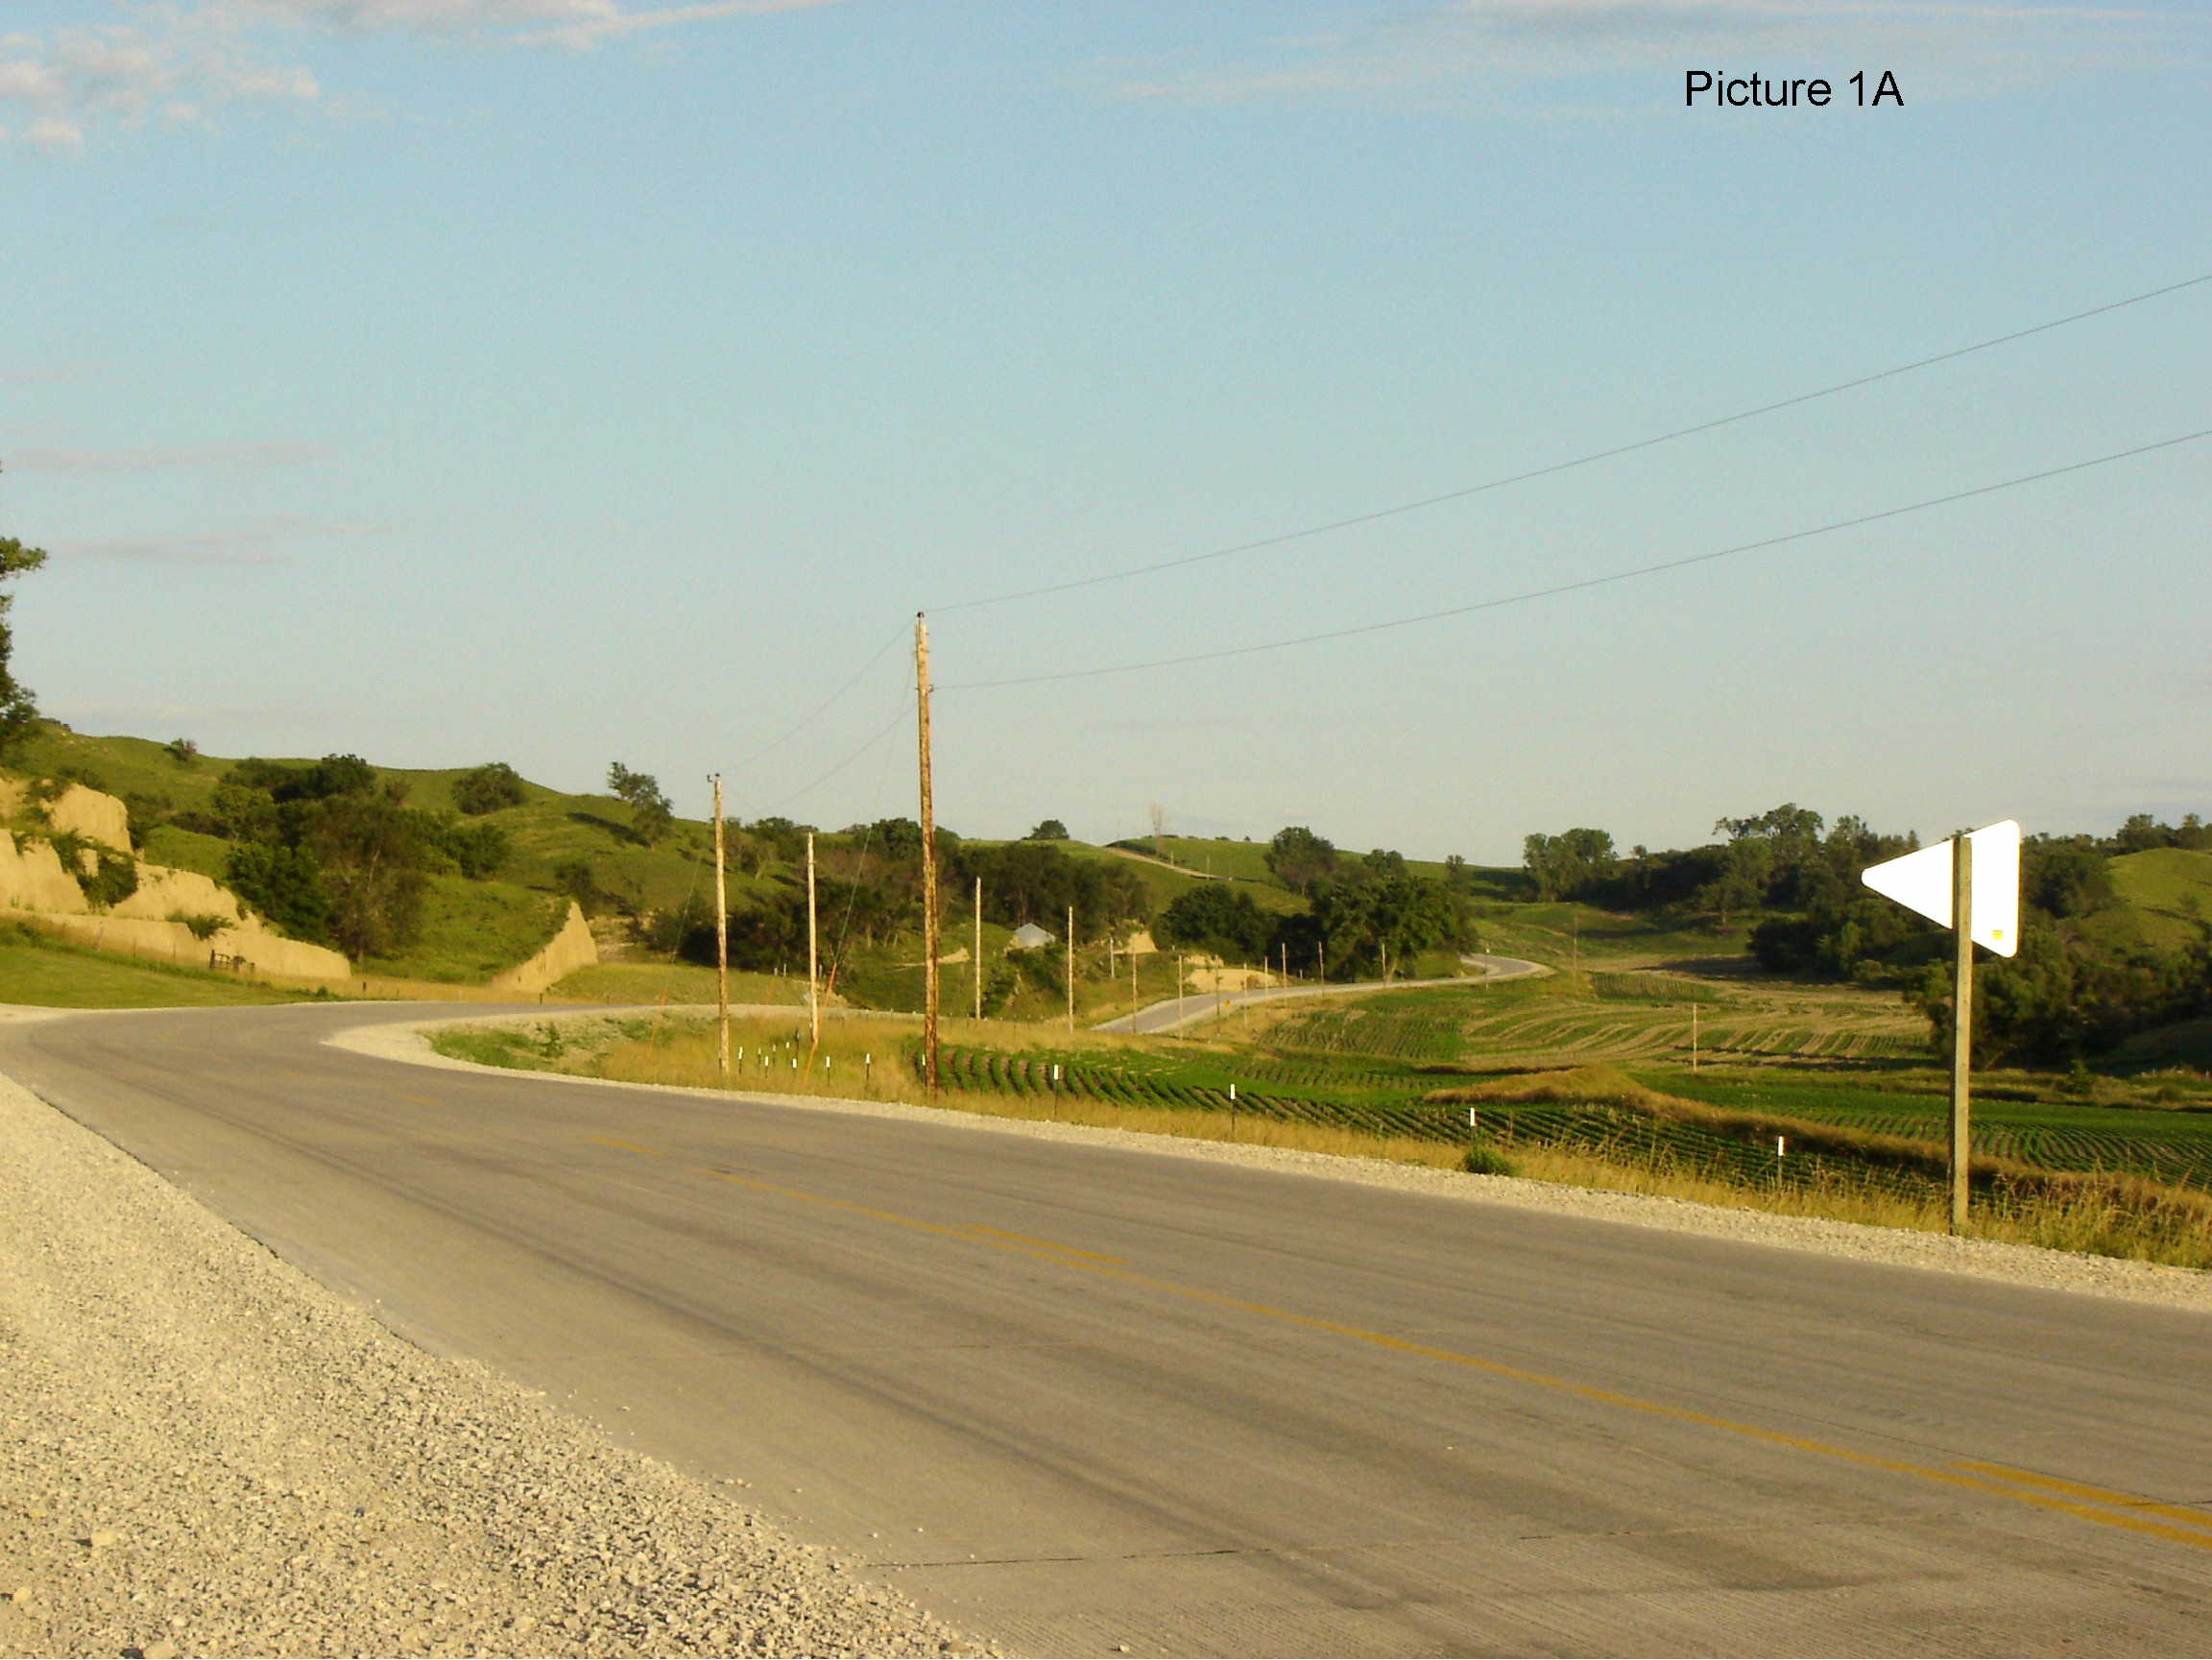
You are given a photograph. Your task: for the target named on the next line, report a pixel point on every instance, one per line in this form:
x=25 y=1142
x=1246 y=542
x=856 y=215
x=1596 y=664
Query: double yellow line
x=2176 y=1524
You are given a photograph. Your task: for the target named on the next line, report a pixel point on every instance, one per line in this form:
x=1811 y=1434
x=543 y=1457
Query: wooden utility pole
x=978 y=947
x=1962 y=1027
x=813 y=952
x=721 y=943
x=929 y=860
x=1071 y=968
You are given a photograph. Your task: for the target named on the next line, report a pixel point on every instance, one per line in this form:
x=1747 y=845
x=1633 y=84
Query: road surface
x=1172 y=1014
x=1073 y=1398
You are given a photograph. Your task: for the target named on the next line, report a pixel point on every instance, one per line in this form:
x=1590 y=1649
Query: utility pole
x=929 y=861
x=1071 y=968
x=1961 y=1027
x=721 y=943
x=1134 y=1004
x=978 y=947
x=813 y=952
x=1693 y=1037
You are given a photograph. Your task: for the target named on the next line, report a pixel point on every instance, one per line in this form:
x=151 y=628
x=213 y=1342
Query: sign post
x=1971 y=885
x=1961 y=1030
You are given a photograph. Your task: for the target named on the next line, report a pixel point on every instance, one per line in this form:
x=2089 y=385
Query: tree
x=1050 y=830
x=285 y=884
x=1562 y=866
x=18 y=712
x=1301 y=860
x=650 y=814
x=1215 y=918
x=488 y=788
x=371 y=855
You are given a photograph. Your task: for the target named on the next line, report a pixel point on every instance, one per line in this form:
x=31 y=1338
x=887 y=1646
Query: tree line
x=2076 y=987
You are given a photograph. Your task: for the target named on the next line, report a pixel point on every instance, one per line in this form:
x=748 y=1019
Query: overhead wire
x=1589 y=582
x=905 y=702
x=823 y=706
x=1281 y=538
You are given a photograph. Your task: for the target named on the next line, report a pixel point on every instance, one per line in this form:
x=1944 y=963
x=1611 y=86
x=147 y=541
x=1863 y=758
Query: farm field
x=2162 y=1130
x=1607 y=1017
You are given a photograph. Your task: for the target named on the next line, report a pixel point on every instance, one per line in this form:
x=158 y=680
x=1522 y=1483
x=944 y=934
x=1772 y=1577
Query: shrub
x=203 y=925
x=1481 y=1159
x=114 y=877
x=488 y=788
x=183 y=752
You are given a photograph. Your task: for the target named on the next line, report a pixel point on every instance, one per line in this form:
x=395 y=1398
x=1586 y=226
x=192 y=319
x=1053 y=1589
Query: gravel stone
x=208 y=1453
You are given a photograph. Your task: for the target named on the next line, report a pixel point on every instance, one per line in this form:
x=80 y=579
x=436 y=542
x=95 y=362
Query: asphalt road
x=1073 y=1398
x=1172 y=1014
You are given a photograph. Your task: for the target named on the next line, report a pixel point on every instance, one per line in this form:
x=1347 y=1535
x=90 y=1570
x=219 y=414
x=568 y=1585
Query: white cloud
x=184 y=60
x=155 y=460
x=1473 y=43
x=257 y=544
x=27 y=81
x=581 y=36
x=51 y=135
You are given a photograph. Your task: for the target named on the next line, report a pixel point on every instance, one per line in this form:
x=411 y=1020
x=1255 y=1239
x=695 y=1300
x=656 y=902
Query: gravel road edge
x=209 y=1452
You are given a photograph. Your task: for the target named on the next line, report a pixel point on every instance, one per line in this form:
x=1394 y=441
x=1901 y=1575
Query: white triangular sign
x=1921 y=881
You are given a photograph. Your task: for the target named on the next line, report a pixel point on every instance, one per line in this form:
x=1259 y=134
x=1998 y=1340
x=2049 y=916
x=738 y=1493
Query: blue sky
x=569 y=381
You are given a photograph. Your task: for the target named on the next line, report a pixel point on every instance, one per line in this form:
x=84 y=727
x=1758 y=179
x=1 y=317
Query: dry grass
x=2105 y=1213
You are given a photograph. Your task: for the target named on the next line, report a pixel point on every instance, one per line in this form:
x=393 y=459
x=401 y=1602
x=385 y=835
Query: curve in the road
x=1172 y=1014
x=1075 y=1398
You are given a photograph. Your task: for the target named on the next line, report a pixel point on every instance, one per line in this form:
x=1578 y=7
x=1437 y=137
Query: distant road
x=1079 y=1399
x=1185 y=1011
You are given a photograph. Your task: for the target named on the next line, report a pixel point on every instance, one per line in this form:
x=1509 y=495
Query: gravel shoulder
x=1984 y=1259
x=207 y=1453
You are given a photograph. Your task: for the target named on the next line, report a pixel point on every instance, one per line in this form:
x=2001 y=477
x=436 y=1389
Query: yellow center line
x=2021 y=1486
x=2098 y=1495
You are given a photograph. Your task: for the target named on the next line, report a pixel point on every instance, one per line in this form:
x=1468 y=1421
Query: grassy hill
x=2166 y=893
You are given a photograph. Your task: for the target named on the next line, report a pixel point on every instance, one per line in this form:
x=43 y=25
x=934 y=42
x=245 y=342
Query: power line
x=905 y=702
x=823 y=707
x=1585 y=582
x=1358 y=518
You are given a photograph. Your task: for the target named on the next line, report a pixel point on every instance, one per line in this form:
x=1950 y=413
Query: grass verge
x=47 y=973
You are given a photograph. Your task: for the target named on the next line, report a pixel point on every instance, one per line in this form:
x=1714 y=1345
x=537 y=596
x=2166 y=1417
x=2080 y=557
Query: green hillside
x=2167 y=893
